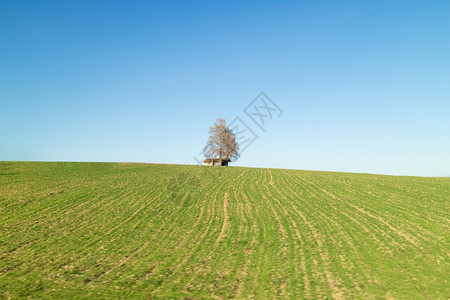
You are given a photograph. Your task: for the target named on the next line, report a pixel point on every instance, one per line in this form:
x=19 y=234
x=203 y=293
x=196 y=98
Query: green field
x=103 y=230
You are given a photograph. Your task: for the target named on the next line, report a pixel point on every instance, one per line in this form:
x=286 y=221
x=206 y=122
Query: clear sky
x=364 y=86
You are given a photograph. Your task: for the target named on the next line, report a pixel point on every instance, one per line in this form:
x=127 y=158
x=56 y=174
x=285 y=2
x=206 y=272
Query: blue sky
x=364 y=86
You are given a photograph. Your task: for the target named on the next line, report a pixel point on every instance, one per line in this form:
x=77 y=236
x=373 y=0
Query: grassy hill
x=90 y=230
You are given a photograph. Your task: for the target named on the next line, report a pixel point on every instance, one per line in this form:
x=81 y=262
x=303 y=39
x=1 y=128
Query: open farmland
x=90 y=230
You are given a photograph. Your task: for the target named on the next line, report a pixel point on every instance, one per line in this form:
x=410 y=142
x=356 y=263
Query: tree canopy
x=222 y=142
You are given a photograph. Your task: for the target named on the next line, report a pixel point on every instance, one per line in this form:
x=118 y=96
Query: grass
x=102 y=230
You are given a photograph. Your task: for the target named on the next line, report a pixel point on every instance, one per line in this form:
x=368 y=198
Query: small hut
x=216 y=162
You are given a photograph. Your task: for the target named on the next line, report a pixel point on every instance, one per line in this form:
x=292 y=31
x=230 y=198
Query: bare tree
x=222 y=143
